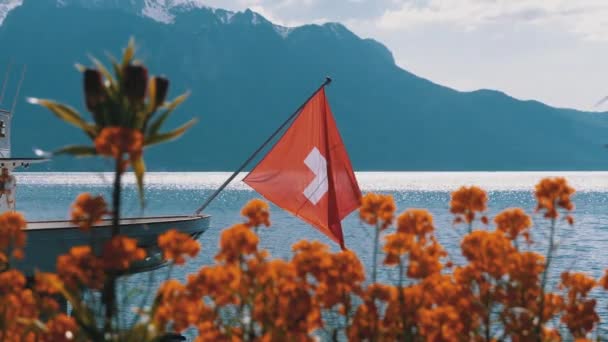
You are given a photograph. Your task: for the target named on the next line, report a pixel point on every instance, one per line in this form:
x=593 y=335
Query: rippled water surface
x=582 y=247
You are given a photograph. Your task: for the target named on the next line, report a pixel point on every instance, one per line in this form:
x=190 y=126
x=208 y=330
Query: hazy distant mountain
x=247 y=74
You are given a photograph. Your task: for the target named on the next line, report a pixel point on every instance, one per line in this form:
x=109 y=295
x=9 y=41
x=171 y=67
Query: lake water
x=581 y=247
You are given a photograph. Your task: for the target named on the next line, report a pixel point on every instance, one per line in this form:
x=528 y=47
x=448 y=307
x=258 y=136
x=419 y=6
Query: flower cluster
x=466 y=202
x=88 y=210
x=514 y=223
x=257 y=213
x=120 y=252
x=116 y=142
x=377 y=210
x=12 y=236
x=24 y=307
x=552 y=194
x=176 y=245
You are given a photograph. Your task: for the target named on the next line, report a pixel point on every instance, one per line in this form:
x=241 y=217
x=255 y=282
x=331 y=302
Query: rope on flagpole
x=254 y=154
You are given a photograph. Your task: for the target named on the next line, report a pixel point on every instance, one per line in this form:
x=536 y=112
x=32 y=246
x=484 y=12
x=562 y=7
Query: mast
x=6 y=115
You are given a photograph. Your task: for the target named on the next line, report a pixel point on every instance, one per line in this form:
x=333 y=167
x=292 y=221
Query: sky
x=554 y=51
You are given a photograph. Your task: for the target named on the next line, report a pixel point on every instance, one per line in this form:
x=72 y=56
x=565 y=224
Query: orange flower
x=120 y=252
x=377 y=210
x=367 y=322
x=219 y=282
x=441 y=323
x=513 y=222
x=488 y=251
x=209 y=331
x=176 y=245
x=466 y=201
x=257 y=213
x=554 y=304
x=176 y=306
x=425 y=261
x=19 y=306
x=401 y=317
x=236 y=242
x=580 y=316
x=578 y=284
x=525 y=268
x=117 y=141
x=341 y=277
x=397 y=245
x=46 y=283
x=284 y=306
x=11 y=281
x=310 y=257
x=88 y=210
x=81 y=267
x=552 y=193
x=60 y=328
x=418 y=222
x=12 y=234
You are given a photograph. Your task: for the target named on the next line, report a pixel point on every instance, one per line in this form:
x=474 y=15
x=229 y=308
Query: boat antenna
x=18 y=89
x=7 y=73
x=260 y=149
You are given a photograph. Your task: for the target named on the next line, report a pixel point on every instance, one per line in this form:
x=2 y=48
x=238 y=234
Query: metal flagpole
x=18 y=90
x=6 y=76
x=254 y=154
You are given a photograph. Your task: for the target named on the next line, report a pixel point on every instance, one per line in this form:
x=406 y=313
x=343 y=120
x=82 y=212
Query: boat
x=48 y=239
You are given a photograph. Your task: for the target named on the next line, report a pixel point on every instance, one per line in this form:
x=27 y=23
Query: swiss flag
x=308 y=172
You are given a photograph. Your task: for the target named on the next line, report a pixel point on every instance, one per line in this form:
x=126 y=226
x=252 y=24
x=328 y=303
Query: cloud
x=588 y=18
x=7 y=6
x=297 y=12
x=549 y=50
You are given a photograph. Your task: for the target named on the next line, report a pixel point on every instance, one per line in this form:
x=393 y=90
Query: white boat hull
x=46 y=240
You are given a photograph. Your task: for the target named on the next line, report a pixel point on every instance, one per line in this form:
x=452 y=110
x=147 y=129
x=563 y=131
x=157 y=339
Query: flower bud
x=94 y=92
x=135 y=82
x=162 y=87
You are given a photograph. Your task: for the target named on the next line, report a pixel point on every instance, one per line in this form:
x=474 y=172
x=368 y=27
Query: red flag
x=308 y=172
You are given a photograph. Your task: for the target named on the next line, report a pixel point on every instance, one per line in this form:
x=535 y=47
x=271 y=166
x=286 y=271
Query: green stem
x=109 y=289
x=375 y=256
x=116 y=197
x=406 y=331
x=543 y=283
x=488 y=317
x=400 y=272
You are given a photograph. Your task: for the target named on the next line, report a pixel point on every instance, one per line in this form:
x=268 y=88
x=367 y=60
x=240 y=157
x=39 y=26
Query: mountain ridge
x=246 y=78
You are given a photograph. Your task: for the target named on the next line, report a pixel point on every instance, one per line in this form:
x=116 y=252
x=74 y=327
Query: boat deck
x=128 y=221
x=46 y=240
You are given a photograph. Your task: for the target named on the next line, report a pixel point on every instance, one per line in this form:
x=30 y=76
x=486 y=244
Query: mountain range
x=247 y=75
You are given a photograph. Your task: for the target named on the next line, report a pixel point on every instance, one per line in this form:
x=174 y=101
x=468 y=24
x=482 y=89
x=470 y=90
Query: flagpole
x=264 y=144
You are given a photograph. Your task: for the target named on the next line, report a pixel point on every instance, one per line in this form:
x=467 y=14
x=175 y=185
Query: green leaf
x=80 y=311
x=151 y=95
x=164 y=137
x=77 y=150
x=67 y=114
x=139 y=167
x=117 y=69
x=157 y=124
x=129 y=52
